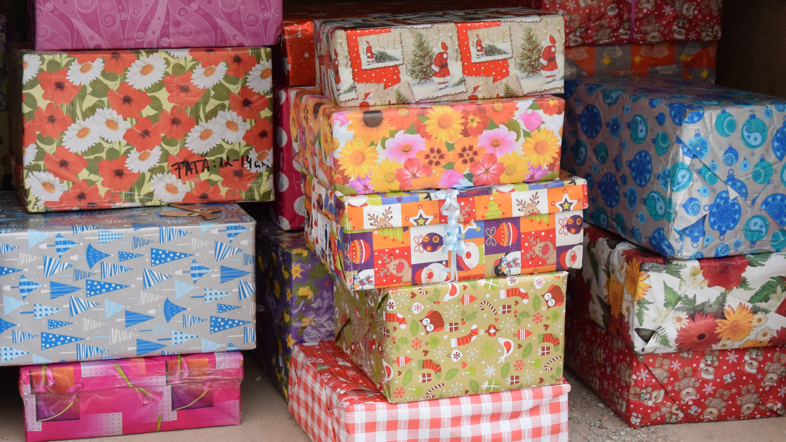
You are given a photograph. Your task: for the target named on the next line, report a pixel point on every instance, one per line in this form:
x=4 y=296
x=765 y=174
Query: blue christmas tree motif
x=94 y=255
x=233 y=230
x=144 y=347
x=166 y=234
x=142 y=226
x=5 y=325
x=40 y=360
x=209 y=346
x=57 y=289
x=53 y=266
x=180 y=337
x=223 y=308
x=50 y=340
x=107 y=236
x=213 y=295
x=232 y=347
x=245 y=290
x=182 y=289
x=109 y=270
x=81 y=274
x=9 y=354
x=27 y=286
x=218 y=324
x=78 y=305
x=63 y=244
x=229 y=274
x=160 y=329
x=138 y=242
x=79 y=228
x=95 y=288
x=249 y=335
x=34 y=237
x=5 y=248
x=134 y=318
x=52 y=324
x=42 y=311
x=171 y=309
x=84 y=352
x=189 y=320
x=8 y=270
x=224 y=251
x=168 y=353
x=125 y=256
x=112 y=308
x=10 y=304
x=248 y=259
x=198 y=271
x=151 y=278
x=205 y=226
x=20 y=336
x=160 y=256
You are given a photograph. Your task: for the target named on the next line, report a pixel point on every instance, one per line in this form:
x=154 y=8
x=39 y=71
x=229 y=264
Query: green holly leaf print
x=414 y=328
x=535 y=303
x=407 y=377
x=451 y=374
x=527 y=350
x=505 y=370
x=473 y=385
x=672 y=297
x=434 y=296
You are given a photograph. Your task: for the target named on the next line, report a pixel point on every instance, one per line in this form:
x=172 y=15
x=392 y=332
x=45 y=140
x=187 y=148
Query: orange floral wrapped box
x=143 y=128
x=424 y=146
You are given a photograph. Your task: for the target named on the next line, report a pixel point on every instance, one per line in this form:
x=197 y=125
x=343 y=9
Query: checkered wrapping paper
x=333 y=401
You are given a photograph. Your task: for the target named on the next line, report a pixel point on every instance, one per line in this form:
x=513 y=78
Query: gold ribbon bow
x=192 y=211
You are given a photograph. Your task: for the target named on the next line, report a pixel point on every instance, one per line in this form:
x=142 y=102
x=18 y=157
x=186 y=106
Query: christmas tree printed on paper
x=528 y=60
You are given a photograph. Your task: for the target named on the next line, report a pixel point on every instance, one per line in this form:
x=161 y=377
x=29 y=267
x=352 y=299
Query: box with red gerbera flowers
x=655 y=305
x=382 y=149
x=127 y=128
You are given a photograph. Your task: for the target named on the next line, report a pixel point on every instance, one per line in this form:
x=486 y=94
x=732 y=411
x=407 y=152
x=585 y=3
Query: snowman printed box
x=687 y=169
x=125 y=283
x=131 y=396
x=440 y=56
x=455 y=339
x=400 y=239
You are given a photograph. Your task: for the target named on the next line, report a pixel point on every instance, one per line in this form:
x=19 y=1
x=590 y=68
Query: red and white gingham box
x=333 y=401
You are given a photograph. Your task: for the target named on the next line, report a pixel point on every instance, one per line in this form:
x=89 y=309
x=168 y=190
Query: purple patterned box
x=133 y=24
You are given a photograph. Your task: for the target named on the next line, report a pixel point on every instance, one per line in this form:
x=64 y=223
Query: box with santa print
x=333 y=401
x=125 y=283
x=364 y=150
x=399 y=239
x=687 y=169
x=439 y=56
x=131 y=396
x=294 y=302
x=668 y=388
x=657 y=305
x=607 y=22
x=147 y=127
x=456 y=339
x=129 y=24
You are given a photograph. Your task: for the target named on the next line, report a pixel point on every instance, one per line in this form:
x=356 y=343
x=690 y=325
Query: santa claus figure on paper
x=480 y=50
x=369 y=53
x=440 y=67
x=548 y=60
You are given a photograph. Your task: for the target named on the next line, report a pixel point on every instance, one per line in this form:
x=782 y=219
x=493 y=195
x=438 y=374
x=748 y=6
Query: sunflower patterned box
x=456 y=339
x=399 y=239
x=295 y=300
x=440 y=56
x=687 y=169
x=140 y=128
x=425 y=146
x=125 y=283
x=655 y=305
x=670 y=388
x=131 y=396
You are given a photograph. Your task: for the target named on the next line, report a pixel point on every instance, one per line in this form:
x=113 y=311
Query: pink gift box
x=162 y=24
x=130 y=396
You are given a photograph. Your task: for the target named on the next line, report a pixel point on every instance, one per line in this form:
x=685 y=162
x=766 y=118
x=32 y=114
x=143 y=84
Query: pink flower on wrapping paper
x=537 y=173
x=399 y=393
x=341 y=117
x=486 y=170
x=519 y=365
x=362 y=185
x=450 y=178
x=412 y=171
x=404 y=146
x=537 y=318
x=416 y=343
x=498 y=141
x=531 y=119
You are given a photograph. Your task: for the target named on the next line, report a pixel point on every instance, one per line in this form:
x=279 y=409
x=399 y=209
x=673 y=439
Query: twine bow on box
x=46 y=381
x=206 y=213
x=145 y=396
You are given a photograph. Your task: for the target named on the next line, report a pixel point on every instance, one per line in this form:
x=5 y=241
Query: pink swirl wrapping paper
x=132 y=24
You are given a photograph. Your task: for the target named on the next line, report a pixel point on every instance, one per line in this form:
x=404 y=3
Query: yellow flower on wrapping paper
x=383 y=176
x=753 y=343
x=289 y=293
x=516 y=169
x=370 y=125
x=759 y=319
x=305 y=292
x=356 y=158
x=696 y=277
x=290 y=341
x=541 y=148
x=286 y=316
x=737 y=325
x=723 y=345
x=680 y=320
x=297 y=271
x=634 y=280
x=444 y=123
x=276 y=289
x=284 y=272
x=301 y=251
x=615 y=295
x=765 y=334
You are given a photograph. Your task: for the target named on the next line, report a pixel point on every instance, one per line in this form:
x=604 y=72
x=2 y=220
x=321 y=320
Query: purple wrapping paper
x=135 y=24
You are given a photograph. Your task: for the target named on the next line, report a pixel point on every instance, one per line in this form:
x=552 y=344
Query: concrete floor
x=265 y=418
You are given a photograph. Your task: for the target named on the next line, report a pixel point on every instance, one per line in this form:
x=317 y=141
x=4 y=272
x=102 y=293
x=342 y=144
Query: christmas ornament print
x=83 y=306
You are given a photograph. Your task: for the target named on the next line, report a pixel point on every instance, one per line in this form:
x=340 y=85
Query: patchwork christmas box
x=603 y=22
x=424 y=146
x=129 y=24
x=295 y=300
x=131 y=396
x=655 y=305
x=456 y=339
x=333 y=401
x=399 y=239
x=125 y=283
x=440 y=56
x=690 y=386
x=687 y=169
x=132 y=128
x=691 y=60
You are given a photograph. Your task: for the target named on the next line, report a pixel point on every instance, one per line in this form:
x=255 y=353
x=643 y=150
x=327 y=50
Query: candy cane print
x=464 y=340
x=547 y=368
x=484 y=304
x=430 y=391
x=396 y=317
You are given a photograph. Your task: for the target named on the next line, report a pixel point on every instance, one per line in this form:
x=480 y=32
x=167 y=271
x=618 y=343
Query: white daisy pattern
x=31 y=63
x=177 y=53
x=206 y=77
x=81 y=136
x=146 y=72
x=141 y=162
x=45 y=186
x=82 y=74
x=204 y=137
x=29 y=156
x=110 y=126
x=260 y=78
x=232 y=126
x=168 y=188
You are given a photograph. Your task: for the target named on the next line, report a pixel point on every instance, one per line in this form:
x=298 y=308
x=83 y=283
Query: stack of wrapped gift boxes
x=134 y=316
x=682 y=317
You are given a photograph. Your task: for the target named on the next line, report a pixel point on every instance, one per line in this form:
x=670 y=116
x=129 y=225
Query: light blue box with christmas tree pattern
x=125 y=283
